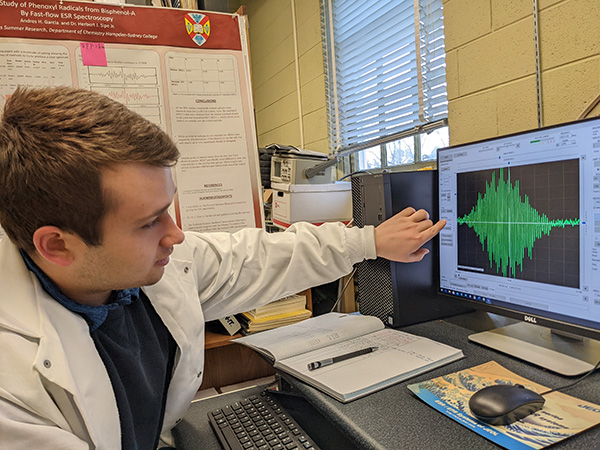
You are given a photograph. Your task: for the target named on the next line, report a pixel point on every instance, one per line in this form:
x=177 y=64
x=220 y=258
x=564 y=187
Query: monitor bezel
x=513 y=313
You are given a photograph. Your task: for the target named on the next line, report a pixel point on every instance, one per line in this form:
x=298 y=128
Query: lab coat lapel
x=68 y=358
x=175 y=299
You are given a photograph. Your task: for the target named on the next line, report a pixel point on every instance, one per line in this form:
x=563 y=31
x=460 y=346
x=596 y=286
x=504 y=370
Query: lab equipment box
x=316 y=204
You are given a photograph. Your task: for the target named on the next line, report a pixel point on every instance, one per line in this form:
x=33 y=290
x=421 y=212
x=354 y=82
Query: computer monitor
x=523 y=240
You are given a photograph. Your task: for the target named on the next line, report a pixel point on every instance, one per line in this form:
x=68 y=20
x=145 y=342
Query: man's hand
x=401 y=237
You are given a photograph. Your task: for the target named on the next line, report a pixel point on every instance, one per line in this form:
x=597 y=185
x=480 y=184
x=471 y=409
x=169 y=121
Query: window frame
x=349 y=155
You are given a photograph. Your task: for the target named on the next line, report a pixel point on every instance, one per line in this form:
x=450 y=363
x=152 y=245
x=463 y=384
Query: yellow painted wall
x=490 y=56
x=490 y=67
x=277 y=73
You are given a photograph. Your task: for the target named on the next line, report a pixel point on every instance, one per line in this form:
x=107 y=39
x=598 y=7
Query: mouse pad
x=561 y=417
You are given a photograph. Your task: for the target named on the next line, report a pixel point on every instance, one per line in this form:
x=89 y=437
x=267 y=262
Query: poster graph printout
x=186 y=71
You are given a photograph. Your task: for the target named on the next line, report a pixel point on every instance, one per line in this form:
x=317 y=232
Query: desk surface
x=394 y=417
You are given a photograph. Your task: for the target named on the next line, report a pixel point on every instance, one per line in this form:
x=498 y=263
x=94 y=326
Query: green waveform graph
x=506 y=224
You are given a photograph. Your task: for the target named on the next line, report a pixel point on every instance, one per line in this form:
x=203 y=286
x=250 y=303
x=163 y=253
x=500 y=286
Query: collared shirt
x=138 y=352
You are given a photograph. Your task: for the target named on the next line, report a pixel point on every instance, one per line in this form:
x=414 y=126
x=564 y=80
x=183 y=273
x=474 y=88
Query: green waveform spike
x=508 y=225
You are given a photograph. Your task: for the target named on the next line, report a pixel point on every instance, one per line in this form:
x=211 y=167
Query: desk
x=394 y=418
x=228 y=363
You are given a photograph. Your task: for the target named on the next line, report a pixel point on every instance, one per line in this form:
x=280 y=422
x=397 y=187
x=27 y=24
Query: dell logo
x=530 y=319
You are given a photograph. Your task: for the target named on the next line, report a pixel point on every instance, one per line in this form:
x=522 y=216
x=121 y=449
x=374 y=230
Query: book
x=561 y=417
x=399 y=355
x=285 y=311
x=293 y=303
x=252 y=325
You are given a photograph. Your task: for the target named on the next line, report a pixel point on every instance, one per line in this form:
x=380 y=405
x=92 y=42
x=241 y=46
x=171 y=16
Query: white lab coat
x=54 y=389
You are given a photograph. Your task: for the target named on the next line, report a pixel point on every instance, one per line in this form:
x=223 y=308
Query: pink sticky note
x=93 y=53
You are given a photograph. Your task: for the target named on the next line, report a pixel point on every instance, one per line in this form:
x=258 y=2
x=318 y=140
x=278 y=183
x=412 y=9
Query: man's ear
x=55 y=245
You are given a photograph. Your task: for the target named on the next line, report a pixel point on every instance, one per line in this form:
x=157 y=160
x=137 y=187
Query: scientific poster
x=186 y=71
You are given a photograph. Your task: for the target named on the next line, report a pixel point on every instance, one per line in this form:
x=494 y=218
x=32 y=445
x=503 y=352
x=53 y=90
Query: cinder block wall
x=490 y=57
x=490 y=67
x=276 y=78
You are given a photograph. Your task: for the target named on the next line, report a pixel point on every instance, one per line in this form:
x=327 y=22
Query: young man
x=103 y=298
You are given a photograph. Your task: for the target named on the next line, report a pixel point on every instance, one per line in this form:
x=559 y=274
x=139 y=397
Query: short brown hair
x=54 y=142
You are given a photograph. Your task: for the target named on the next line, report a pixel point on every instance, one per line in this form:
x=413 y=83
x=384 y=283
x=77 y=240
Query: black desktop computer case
x=399 y=294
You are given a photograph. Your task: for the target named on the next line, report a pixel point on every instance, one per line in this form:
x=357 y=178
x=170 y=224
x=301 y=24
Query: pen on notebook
x=328 y=361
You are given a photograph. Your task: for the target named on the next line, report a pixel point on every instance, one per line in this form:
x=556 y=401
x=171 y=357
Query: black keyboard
x=258 y=423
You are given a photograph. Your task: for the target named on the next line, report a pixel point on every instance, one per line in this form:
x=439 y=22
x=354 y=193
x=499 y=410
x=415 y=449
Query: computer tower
x=399 y=294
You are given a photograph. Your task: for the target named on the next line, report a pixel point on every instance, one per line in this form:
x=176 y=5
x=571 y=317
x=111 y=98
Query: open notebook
x=399 y=355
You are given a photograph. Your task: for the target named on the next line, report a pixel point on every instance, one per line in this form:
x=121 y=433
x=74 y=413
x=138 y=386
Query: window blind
x=377 y=56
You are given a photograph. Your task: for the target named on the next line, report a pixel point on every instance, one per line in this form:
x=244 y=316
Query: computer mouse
x=502 y=404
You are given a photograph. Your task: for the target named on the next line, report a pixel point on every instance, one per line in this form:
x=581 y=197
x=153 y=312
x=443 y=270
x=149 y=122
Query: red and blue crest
x=198 y=27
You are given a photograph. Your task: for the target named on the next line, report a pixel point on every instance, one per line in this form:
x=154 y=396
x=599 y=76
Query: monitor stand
x=543 y=347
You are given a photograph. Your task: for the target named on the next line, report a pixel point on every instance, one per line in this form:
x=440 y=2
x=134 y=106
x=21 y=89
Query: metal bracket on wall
x=538 y=72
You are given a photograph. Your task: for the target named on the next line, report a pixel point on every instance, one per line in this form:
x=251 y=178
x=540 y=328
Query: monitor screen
x=523 y=232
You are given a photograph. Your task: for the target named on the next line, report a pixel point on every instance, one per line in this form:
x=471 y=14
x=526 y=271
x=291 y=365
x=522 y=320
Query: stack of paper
x=286 y=311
